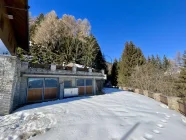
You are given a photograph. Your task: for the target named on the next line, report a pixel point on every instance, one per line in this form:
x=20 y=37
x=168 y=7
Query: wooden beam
x=6 y=30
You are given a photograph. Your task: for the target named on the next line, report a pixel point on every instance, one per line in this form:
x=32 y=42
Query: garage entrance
x=42 y=89
x=85 y=86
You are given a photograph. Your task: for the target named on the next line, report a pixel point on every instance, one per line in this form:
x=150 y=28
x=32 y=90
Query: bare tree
x=49 y=30
x=178 y=59
x=148 y=77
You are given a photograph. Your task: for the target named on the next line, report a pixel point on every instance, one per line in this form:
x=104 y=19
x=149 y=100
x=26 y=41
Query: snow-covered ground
x=115 y=115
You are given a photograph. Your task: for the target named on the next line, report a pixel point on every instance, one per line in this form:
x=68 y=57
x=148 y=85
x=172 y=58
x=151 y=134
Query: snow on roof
x=77 y=65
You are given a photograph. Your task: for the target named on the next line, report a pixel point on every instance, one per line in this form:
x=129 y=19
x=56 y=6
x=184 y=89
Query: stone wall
x=173 y=103
x=9 y=74
x=125 y=88
x=157 y=96
x=138 y=91
x=146 y=93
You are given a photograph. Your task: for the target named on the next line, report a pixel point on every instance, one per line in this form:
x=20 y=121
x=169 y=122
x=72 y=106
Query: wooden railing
x=82 y=69
x=59 y=67
x=164 y=99
x=182 y=107
x=35 y=65
x=94 y=70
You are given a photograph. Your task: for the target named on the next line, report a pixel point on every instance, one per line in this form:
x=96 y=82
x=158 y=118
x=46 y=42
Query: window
x=51 y=82
x=35 y=83
x=67 y=84
x=88 y=82
x=80 y=82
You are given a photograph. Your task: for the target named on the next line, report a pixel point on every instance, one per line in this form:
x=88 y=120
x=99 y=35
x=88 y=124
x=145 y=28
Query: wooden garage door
x=89 y=87
x=80 y=83
x=35 y=89
x=34 y=95
x=89 y=90
x=50 y=90
x=50 y=93
x=40 y=89
x=81 y=91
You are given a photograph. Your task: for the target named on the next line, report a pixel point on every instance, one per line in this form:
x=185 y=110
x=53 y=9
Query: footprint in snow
x=183 y=119
x=164 y=121
x=148 y=136
x=167 y=116
x=156 y=131
x=141 y=138
x=174 y=115
x=160 y=125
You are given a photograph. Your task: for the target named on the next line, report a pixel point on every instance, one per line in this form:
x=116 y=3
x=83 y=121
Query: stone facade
x=9 y=76
x=157 y=96
x=173 y=103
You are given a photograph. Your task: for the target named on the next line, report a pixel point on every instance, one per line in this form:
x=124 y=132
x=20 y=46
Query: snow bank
x=22 y=125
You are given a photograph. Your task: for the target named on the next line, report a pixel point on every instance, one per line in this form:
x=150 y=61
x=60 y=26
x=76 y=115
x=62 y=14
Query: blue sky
x=156 y=26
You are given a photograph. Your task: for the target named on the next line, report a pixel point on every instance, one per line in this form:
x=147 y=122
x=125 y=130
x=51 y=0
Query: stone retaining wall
x=9 y=74
x=157 y=96
x=173 y=103
x=125 y=88
x=145 y=92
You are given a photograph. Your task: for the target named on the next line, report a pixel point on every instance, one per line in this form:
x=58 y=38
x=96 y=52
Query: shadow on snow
x=66 y=100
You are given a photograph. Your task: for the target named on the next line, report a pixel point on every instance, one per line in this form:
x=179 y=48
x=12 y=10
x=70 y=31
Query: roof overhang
x=14 y=27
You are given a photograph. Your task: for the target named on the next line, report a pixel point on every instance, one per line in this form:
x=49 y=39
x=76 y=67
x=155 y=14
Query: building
x=23 y=83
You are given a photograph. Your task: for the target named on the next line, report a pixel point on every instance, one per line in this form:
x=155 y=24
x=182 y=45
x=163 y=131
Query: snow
x=113 y=116
x=164 y=106
x=76 y=65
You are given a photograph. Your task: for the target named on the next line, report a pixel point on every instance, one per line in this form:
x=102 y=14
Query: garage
x=85 y=86
x=42 y=89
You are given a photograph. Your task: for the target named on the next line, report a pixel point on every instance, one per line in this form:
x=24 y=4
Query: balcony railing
x=60 y=67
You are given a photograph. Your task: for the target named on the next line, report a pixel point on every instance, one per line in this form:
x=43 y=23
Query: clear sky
x=156 y=26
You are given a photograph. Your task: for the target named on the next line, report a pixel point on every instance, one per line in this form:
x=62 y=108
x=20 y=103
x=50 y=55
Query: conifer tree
x=181 y=82
x=114 y=73
x=166 y=63
x=149 y=59
x=140 y=57
x=131 y=57
x=153 y=60
x=158 y=63
x=100 y=62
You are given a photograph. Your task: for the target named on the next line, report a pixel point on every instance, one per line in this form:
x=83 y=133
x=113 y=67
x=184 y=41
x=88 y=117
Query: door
x=89 y=87
x=50 y=88
x=40 y=89
x=67 y=86
x=80 y=83
x=35 y=89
